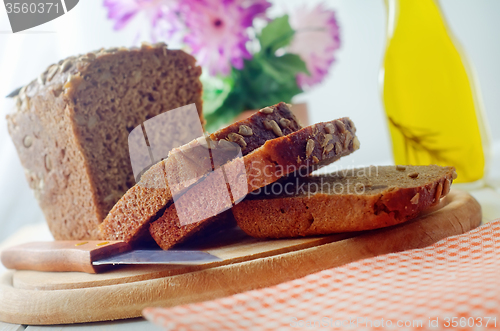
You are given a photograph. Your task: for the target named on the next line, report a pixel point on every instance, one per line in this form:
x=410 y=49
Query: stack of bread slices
x=255 y=172
x=272 y=193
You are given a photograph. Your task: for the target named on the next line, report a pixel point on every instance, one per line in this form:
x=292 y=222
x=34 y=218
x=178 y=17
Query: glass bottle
x=431 y=101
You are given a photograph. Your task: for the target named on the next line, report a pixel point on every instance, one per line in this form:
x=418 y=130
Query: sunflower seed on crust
x=413 y=175
x=91 y=56
x=439 y=190
x=275 y=127
x=326 y=139
x=327 y=148
x=245 y=130
x=315 y=160
x=27 y=141
x=236 y=138
x=284 y=122
x=267 y=125
x=400 y=167
x=66 y=65
x=415 y=199
x=41 y=79
x=52 y=71
x=329 y=128
x=446 y=187
x=338 y=148
x=351 y=124
x=48 y=163
x=340 y=125
x=355 y=143
x=266 y=110
x=347 y=139
x=309 y=147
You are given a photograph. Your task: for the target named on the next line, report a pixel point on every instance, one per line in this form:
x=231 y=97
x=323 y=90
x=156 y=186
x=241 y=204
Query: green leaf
x=263 y=81
x=275 y=35
x=276 y=73
x=231 y=107
x=215 y=91
x=291 y=63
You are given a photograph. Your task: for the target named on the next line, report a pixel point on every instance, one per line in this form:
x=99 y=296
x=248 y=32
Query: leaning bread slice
x=343 y=201
x=147 y=200
x=301 y=152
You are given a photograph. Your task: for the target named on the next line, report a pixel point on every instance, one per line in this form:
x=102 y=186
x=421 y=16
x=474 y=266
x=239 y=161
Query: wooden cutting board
x=31 y=297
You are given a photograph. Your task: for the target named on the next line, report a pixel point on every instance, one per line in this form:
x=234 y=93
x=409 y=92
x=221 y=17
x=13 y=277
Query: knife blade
x=93 y=256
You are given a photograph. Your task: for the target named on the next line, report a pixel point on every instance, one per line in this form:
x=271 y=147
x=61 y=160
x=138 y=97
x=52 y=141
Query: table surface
x=488 y=197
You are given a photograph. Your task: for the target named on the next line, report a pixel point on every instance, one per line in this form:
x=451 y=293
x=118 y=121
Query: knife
x=93 y=256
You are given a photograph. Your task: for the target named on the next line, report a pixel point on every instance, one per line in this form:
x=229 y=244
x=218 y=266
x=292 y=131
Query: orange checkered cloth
x=453 y=284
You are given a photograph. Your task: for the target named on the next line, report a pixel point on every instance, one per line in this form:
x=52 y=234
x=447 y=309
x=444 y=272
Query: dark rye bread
x=71 y=126
x=129 y=219
x=344 y=201
x=301 y=152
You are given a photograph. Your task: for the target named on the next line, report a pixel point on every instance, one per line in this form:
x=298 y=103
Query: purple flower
x=162 y=14
x=316 y=40
x=217 y=31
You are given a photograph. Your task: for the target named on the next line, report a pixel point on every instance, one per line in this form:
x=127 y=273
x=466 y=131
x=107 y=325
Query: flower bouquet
x=250 y=60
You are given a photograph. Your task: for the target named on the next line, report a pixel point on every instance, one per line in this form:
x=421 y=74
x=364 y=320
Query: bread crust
x=318 y=212
x=186 y=165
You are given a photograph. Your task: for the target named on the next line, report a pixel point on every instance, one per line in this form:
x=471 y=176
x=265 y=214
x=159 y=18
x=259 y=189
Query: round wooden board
x=460 y=214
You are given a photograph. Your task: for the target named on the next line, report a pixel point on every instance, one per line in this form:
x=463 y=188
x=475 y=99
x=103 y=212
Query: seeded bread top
x=64 y=76
x=271 y=122
x=188 y=163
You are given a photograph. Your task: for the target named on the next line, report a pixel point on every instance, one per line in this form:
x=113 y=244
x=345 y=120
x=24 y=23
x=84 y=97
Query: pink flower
x=217 y=31
x=316 y=39
x=162 y=14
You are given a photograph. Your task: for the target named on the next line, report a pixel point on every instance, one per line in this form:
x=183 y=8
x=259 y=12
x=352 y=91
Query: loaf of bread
x=344 y=201
x=300 y=152
x=71 y=127
x=146 y=201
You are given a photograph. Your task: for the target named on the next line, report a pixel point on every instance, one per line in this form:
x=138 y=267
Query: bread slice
x=301 y=152
x=343 y=201
x=71 y=127
x=147 y=200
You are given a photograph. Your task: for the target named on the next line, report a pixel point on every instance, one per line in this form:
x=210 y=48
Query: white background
x=351 y=89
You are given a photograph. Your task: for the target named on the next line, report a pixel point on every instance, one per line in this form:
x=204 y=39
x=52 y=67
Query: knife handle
x=61 y=255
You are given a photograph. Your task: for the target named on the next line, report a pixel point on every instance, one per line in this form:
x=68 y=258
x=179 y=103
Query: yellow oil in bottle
x=430 y=99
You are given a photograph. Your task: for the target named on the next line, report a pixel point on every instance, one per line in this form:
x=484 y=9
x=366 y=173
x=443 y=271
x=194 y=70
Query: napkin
x=452 y=284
